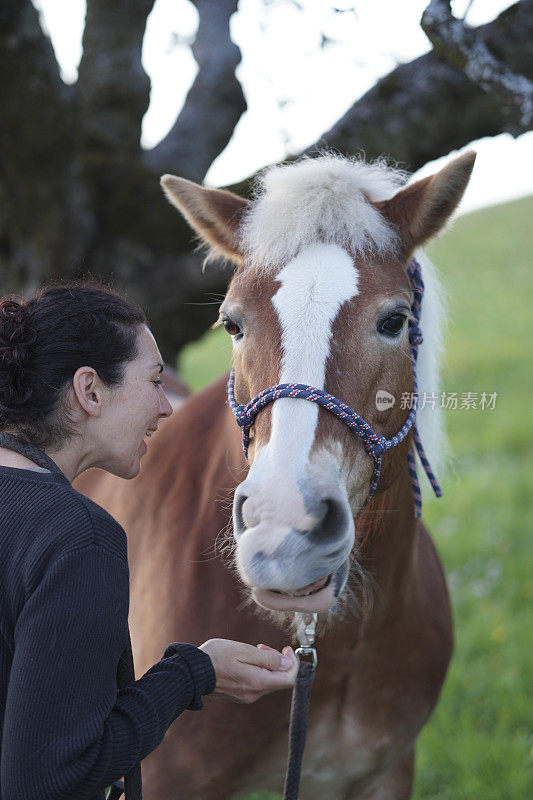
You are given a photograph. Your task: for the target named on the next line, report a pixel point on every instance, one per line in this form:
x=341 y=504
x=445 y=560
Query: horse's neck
x=387 y=532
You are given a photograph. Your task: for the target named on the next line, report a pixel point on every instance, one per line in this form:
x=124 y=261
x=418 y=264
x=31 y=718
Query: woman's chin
x=135 y=465
x=132 y=468
x=133 y=472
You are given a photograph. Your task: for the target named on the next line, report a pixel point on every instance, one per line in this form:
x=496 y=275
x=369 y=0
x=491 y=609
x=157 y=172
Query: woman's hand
x=245 y=673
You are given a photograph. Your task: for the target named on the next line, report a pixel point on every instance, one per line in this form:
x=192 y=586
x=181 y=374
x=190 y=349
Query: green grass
x=201 y=361
x=479 y=743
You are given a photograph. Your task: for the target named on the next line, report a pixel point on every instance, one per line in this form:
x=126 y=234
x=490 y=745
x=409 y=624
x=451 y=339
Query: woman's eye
x=232 y=328
x=392 y=325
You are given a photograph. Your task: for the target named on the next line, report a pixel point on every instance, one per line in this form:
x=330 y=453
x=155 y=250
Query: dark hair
x=45 y=340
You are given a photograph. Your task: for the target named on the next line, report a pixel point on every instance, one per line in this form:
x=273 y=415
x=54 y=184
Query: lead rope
x=307 y=657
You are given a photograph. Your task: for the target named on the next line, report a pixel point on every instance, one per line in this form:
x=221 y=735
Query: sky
x=303 y=65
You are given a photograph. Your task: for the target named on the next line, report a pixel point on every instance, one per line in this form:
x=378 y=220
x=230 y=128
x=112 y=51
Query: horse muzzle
x=292 y=558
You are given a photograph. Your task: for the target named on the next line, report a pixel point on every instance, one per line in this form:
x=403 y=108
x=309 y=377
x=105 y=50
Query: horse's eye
x=232 y=328
x=391 y=326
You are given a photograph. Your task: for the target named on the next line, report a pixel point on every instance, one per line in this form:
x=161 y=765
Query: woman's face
x=132 y=411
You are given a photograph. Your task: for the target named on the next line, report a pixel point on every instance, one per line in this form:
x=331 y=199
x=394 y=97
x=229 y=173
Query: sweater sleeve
x=67 y=731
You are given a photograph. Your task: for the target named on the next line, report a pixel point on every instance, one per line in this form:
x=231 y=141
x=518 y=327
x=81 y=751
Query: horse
x=321 y=296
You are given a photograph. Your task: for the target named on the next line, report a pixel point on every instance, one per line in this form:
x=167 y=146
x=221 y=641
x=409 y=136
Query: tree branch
x=214 y=103
x=465 y=49
x=425 y=109
x=114 y=89
x=63 y=212
x=36 y=135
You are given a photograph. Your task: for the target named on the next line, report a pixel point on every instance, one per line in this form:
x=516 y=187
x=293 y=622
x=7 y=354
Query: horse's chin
x=319 y=596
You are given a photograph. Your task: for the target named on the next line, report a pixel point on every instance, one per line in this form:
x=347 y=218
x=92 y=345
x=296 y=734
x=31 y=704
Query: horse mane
x=327 y=199
x=429 y=420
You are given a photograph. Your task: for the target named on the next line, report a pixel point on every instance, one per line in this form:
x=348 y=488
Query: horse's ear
x=215 y=214
x=420 y=211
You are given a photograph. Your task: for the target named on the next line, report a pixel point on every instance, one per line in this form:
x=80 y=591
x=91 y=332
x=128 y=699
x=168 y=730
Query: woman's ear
x=87 y=390
x=215 y=214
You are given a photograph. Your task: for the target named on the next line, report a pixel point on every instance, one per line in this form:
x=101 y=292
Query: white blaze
x=278 y=493
x=314 y=286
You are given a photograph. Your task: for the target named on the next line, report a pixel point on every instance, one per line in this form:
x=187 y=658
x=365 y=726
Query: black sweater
x=65 y=730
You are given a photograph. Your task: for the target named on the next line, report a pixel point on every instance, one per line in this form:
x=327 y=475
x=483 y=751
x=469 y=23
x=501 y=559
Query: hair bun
x=17 y=335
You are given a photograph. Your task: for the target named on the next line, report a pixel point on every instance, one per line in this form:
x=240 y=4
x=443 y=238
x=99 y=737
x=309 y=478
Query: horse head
x=321 y=296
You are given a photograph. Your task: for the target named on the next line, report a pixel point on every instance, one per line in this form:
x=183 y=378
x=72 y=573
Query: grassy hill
x=479 y=743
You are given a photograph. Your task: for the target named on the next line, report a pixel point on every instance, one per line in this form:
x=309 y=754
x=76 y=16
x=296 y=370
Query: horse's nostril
x=333 y=522
x=238 y=520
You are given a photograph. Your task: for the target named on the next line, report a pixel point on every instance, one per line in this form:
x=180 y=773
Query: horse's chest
x=340 y=751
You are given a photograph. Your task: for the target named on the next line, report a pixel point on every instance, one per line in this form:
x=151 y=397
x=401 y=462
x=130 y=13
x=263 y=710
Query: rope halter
x=374 y=444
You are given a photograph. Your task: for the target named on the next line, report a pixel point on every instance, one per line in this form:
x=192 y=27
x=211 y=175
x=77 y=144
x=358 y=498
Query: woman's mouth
x=148 y=432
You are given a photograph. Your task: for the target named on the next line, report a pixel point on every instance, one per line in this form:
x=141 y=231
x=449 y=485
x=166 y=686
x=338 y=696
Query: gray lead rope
x=125 y=671
x=300 y=704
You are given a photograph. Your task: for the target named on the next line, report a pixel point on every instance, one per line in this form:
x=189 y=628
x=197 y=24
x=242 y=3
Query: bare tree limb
x=36 y=124
x=214 y=103
x=405 y=116
x=429 y=107
x=114 y=89
x=465 y=49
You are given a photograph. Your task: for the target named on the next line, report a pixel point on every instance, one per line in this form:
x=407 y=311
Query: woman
x=80 y=388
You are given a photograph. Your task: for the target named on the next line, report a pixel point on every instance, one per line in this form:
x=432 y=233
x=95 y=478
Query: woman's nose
x=165 y=408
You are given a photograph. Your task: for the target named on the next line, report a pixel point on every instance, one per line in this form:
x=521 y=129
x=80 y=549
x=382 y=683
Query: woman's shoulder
x=100 y=528
x=32 y=501
x=55 y=515
x=44 y=524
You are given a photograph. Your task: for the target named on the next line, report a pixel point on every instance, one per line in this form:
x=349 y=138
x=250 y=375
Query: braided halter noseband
x=374 y=444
